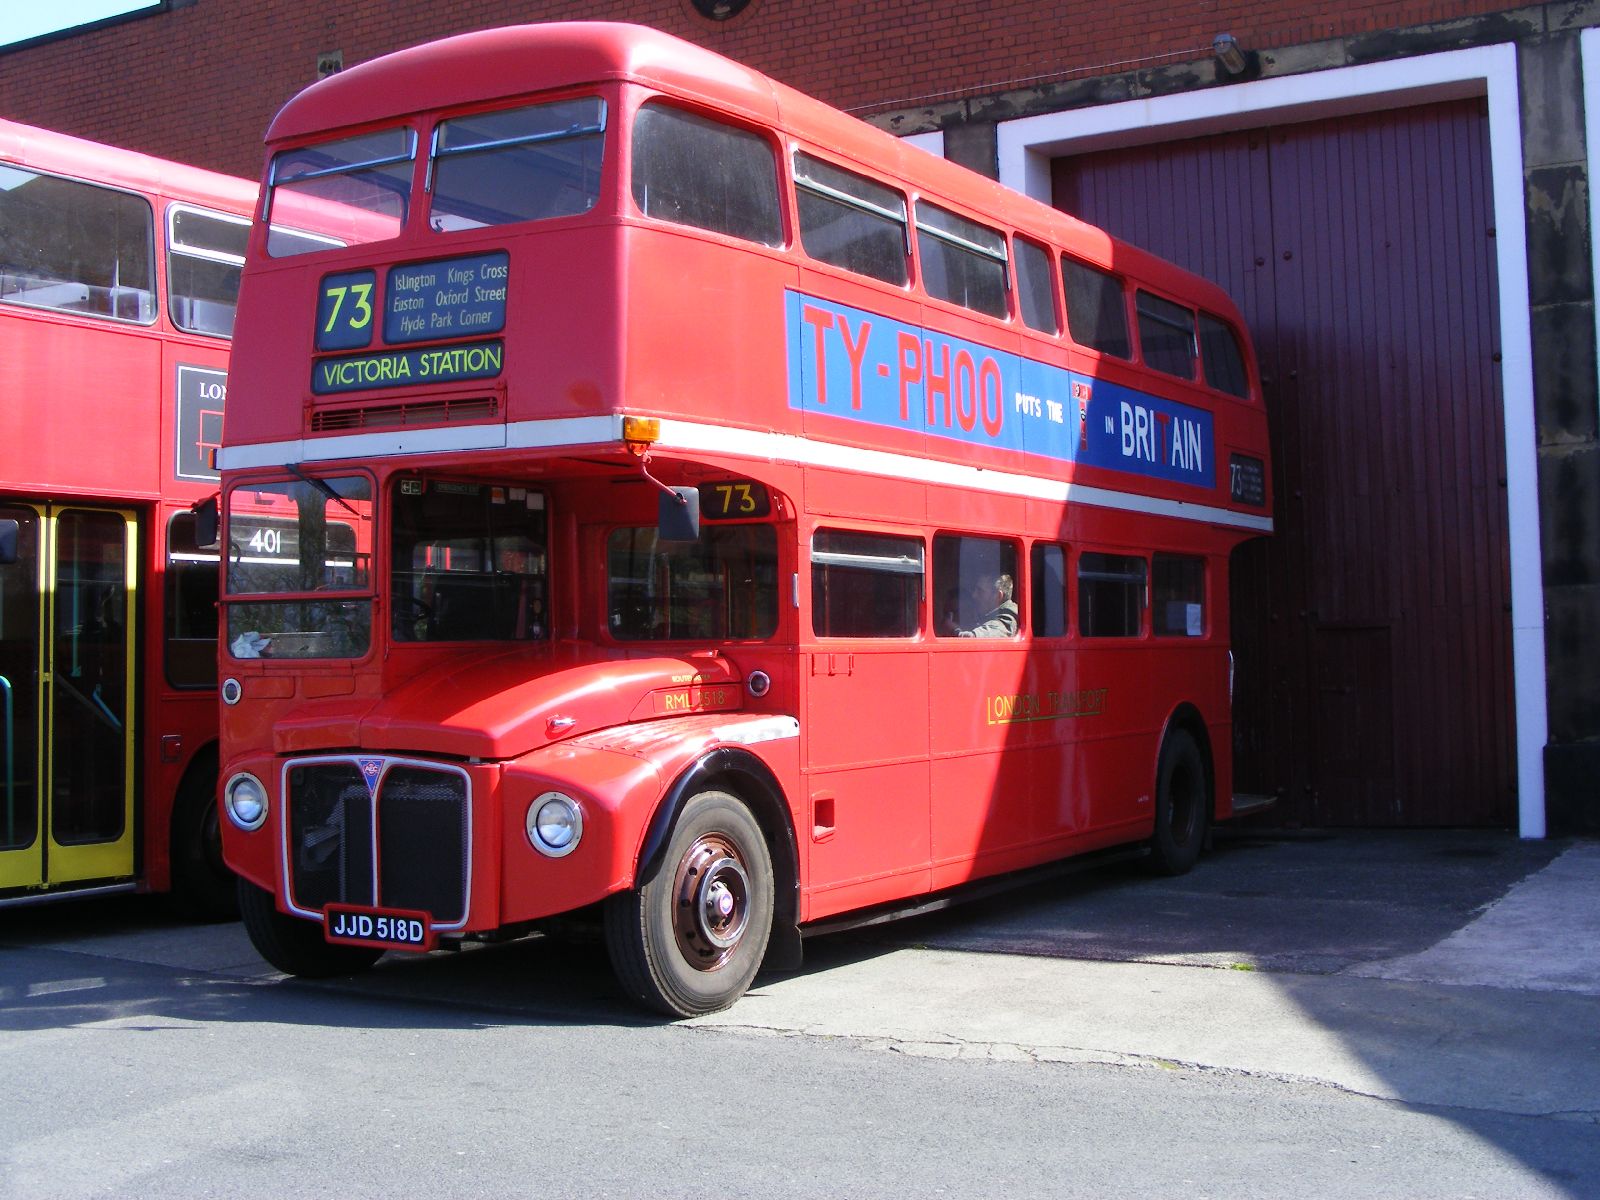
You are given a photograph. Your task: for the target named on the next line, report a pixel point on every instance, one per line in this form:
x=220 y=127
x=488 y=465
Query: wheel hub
x=712 y=890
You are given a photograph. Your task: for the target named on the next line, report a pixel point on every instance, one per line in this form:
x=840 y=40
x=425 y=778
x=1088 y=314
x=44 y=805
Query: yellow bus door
x=67 y=696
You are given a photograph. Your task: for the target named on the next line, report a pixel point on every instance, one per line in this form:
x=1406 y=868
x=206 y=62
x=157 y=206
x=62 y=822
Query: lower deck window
x=975 y=579
x=190 y=641
x=865 y=584
x=1111 y=591
x=1049 y=593
x=1177 y=596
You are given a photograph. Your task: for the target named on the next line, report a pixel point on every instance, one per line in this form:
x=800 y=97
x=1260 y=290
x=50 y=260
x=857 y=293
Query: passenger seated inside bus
x=1000 y=618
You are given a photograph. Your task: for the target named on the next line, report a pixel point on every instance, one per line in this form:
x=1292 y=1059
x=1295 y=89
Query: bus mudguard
x=735 y=769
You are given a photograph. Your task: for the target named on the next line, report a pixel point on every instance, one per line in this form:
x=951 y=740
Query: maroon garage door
x=1373 y=632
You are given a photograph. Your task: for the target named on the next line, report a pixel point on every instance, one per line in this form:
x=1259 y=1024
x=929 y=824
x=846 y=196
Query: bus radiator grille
x=420 y=839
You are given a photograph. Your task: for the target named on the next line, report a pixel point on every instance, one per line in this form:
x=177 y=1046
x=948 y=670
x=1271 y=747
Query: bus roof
x=494 y=64
x=59 y=153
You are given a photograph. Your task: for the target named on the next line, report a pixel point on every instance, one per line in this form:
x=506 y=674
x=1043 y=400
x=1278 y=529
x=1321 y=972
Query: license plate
x=393 y=929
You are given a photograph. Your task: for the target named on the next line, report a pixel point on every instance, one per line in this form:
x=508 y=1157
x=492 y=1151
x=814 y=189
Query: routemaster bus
x=750 y=522
x=119 y=277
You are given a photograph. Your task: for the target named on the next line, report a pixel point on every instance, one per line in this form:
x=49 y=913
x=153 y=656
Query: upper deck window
x=1166 y=335
x=1222 y=358
x=1097 y=310
x=850 y=221
x=962 y=262
x=205 y=253
x=525 y=164
x=1036 y=287
x=356 y=190
x=76 y=247
x=692 y=171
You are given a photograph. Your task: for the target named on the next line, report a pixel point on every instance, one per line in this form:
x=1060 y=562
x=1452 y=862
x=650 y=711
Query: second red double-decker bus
x=119 y=275
x=700 y=510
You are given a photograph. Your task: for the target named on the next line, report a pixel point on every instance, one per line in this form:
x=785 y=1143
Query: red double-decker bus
x=709 y=514
x=119 y=277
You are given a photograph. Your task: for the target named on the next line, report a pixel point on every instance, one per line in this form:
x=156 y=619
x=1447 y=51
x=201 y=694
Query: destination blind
x=422 y=302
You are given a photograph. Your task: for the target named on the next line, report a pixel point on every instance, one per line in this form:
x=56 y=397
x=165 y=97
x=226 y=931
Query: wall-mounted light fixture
x=1226 y=47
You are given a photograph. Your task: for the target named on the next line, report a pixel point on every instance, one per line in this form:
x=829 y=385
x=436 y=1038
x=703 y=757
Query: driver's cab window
x=468 y=562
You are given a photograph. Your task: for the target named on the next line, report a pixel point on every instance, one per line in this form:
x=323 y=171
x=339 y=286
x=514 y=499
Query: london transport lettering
x=1018 y=708
x=863 y=366
x=422 y=302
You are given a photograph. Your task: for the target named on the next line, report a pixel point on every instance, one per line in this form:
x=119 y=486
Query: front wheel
x=1183 y=805
x=294 y=945
x=690 y=940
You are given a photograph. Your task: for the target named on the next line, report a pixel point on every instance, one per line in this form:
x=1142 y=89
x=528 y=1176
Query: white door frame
x=1027 y=145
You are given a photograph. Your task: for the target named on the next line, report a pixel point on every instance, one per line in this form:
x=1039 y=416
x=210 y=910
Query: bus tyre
x=202 y=885
x=690 y=939
x=293 y=945
x=1183 y=805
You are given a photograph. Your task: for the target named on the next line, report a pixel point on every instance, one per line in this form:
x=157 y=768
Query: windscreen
x=468 y=562
x=293 y=547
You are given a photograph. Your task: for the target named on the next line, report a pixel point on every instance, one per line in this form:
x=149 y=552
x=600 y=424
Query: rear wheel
x=202 y=885
x=690 y=940
x=293 y=945
x=1183 y=805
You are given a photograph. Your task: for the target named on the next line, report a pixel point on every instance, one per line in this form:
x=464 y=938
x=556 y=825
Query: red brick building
x=1396 y=193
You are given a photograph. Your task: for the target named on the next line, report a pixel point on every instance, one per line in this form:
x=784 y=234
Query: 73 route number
x=734 y=500
x=344 y=310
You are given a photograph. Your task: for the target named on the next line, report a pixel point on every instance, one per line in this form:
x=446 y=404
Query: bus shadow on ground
x=1310 y=904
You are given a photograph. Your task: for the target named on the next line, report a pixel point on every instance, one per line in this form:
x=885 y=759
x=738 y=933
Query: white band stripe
x=693 y=436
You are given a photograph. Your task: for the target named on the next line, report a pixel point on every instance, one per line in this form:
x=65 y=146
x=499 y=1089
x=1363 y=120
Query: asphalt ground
x=1453 y=968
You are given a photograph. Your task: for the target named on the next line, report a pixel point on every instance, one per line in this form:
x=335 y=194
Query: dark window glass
x=962 y=262
x=849 y=221
x=1111 y=591
x=205 y=254
x=526 y=164
x=467 y=562
x=356 y=190
x=75 y=247
x=975 y=579
x=1166 y=335
x=1036 y=287
x=1178 y=596
x=1049 y=591
x=1222 y=357
x=692 y=171
x=865 y=584
x=722 y=587
x=191 y=616
x=308 y=538
x=21 y=597
x=1097 y=313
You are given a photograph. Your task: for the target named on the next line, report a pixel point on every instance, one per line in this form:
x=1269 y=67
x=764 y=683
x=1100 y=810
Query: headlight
x=555 y=823
x=246 y=801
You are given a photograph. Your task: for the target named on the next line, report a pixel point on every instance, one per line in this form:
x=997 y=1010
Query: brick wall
x=200 y=83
